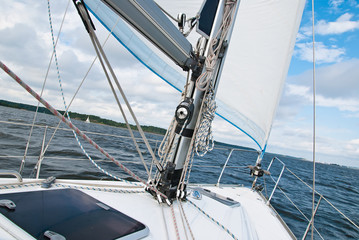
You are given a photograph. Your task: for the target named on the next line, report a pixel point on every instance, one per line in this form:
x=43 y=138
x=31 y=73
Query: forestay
x=255 y=67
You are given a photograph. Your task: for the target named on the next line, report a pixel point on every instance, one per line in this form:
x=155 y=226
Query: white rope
x=42 y=90
x=213 y=220
x=202 y=133
x=165 y=144
x=184 y=219
x=203 y=81
x=204 y=138
x=66 y=108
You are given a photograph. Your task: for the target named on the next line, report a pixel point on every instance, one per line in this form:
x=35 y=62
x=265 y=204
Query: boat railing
x=41 y=156
x=155 y=142
x=276 y=181
x=310 y=219
x=11 y=173
x=279 y=177
x=227 y=160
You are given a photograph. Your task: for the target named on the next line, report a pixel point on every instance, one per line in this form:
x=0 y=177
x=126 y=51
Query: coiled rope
x=204 y=137
x=203 y=140
x=203 y=81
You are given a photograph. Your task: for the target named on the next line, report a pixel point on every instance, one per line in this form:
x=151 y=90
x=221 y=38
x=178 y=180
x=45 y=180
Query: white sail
x=257 y=63
x=255 y=67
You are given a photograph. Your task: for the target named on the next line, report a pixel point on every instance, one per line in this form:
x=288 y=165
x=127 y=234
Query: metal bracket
x=47 y=183
x=53 y=235
x=11 y=172
x=8 y=204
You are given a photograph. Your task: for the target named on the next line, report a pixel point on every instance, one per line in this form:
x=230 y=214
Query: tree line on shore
x=82 y=117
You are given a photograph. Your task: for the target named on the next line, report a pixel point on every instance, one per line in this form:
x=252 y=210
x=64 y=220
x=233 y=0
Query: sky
x=26 y=47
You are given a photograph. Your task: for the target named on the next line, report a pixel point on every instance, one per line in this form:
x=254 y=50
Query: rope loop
x=204 y=139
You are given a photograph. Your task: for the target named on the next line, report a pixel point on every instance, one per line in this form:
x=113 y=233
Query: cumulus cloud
x=25 y=31
x=323 y=53
x=353 y=146
x=338 y=80
x=336 y=3
x=337 y=93
x=341 y=25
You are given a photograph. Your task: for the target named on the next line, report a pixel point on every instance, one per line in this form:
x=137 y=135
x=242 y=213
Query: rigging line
x=190 y=149
x=213 y=220
x=214 y=49
x=66 y=111
x=185 y=217
x=182 y=218
x=164 y=222
x=203 y=81
x=168 y=14
x=190 y=168
x=351 y=221
x=63 y=97
x=174 y=222
x=78 y=131
x=42 y=90
x=54 y=54
x=95 y=43
x=125 y=99
x=314 y=121
x=306 y=218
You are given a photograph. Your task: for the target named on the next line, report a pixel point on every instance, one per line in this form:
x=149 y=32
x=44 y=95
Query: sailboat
x=236 y=69
x=87 y=120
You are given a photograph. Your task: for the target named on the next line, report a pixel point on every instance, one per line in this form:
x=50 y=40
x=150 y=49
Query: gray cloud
x=338 y=80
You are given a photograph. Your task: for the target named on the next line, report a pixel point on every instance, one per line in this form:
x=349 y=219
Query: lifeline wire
x=84 y=136
x=42 y=90
x=66 y=108
x=78 y=131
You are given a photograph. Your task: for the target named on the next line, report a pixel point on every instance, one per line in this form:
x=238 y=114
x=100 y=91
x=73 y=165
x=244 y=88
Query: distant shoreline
x=82 y=117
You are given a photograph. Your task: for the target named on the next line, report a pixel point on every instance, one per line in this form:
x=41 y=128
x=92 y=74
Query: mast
x=215 y=25
x=204 y=65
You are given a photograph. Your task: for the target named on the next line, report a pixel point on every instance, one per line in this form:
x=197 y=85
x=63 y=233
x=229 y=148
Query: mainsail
x=256 y=64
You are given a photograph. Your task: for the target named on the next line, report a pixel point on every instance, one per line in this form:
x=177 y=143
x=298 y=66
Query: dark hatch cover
x=71 y=213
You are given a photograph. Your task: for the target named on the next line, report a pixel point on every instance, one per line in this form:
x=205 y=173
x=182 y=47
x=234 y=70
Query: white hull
x=252 y=218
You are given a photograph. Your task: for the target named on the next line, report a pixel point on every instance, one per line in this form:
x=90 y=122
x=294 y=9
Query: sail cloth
x=256 y=64
x=134 y=44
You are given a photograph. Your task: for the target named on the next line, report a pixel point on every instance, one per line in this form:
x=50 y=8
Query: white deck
x=251 y=219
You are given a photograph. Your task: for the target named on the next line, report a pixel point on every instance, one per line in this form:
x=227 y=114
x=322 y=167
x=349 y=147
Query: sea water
x=65 y=159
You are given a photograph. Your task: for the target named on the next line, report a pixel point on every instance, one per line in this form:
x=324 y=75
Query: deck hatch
x=71 y=213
